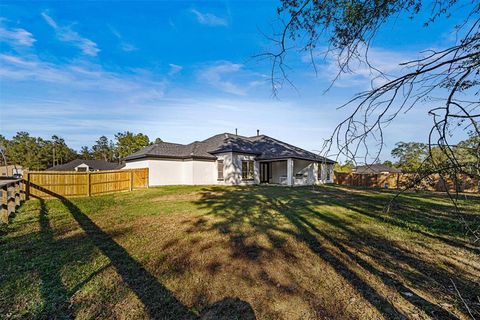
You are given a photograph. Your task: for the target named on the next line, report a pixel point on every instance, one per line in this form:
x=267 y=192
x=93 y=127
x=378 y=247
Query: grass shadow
x=265 y=208
x=54 y=293
x=159 y=302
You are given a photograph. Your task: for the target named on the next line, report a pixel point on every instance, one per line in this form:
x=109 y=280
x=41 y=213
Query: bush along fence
x=13 y=194
x=67 y=184
x=401 y=180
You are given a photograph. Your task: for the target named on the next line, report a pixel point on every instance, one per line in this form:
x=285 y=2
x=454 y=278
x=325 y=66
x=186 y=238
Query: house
x=10 y=170
x=231 y=159
x=86 y=165
x=375 y=169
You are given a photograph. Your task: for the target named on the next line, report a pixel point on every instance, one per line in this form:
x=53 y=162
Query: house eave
x=160 y=157
x=283 y=158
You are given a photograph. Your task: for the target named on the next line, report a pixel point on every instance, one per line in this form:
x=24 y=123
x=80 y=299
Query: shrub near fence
x=401 y=180
x=48 y=184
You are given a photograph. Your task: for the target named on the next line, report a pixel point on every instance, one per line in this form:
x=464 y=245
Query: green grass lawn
x=241 y=252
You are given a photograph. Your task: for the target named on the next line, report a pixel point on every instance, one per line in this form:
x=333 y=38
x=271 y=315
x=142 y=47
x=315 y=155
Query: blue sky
x=181 y=71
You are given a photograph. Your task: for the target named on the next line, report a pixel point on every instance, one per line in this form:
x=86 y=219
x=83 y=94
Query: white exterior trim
x=290 y=181
x=83 y=165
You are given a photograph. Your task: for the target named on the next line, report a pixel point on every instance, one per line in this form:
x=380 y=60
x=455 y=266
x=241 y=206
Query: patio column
x=321 y=167
x=289 y=172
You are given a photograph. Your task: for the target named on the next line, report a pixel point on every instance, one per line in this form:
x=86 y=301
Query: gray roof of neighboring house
x=262 y=146
x=375 y=168
x=93 y=164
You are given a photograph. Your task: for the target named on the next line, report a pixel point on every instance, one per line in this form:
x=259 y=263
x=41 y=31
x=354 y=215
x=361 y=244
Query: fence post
x=11 y=199
x=27 y=196
x=88 y=185
x=4 y=212
x=147 y=179
x=22 y=190
x=131 y=180
x=17 y=194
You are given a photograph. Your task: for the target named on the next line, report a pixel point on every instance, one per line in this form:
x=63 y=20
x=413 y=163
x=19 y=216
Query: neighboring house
x=375 y=169
x=11 y=170
x=86 y=165
x=231 y=159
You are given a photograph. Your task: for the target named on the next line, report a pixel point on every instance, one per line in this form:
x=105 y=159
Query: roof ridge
x=236 y=135
x=289 y=145
x=164 y=142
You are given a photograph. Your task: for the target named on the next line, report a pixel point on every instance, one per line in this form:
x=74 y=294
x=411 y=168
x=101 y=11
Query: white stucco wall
x=232 y=171
x=237 y=160
x=161 y=172
x=306 y=169
x=177 y=172
x=204 y=172
x=201 y=172
x=227 y=167
x=187 y=173
x=324 y=167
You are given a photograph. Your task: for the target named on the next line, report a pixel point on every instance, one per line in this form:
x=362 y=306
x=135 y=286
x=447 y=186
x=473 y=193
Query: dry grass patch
x=240 y=253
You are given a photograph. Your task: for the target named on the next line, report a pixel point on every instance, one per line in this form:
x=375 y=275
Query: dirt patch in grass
x=241 y=253
x=188 y=196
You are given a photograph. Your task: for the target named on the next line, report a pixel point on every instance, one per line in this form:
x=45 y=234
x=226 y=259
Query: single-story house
x=10 y=170
x=375 y=169
x=86 y=165
x=231 y=159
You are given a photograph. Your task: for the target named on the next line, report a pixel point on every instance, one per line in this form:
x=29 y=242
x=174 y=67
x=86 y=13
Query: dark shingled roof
x=262 y=146
x=375 y=168
x=93 y=164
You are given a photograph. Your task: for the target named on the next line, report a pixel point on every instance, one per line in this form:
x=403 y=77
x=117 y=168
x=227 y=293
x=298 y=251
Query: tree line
x=415 y=157
x=37 y=153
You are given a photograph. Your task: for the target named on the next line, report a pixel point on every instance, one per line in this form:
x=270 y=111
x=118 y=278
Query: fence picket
x=48 y=184
x=401 y=180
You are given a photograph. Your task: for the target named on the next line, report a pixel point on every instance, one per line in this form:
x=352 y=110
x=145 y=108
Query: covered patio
x=294 y=172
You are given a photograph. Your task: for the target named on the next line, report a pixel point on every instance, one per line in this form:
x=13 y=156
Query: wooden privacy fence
x=50 y=184
x=367 y=180
x=400 y=180
x=13 y=194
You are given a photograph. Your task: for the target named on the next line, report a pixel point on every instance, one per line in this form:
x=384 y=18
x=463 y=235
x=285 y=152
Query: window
x=247 y=170
x=220 y=169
